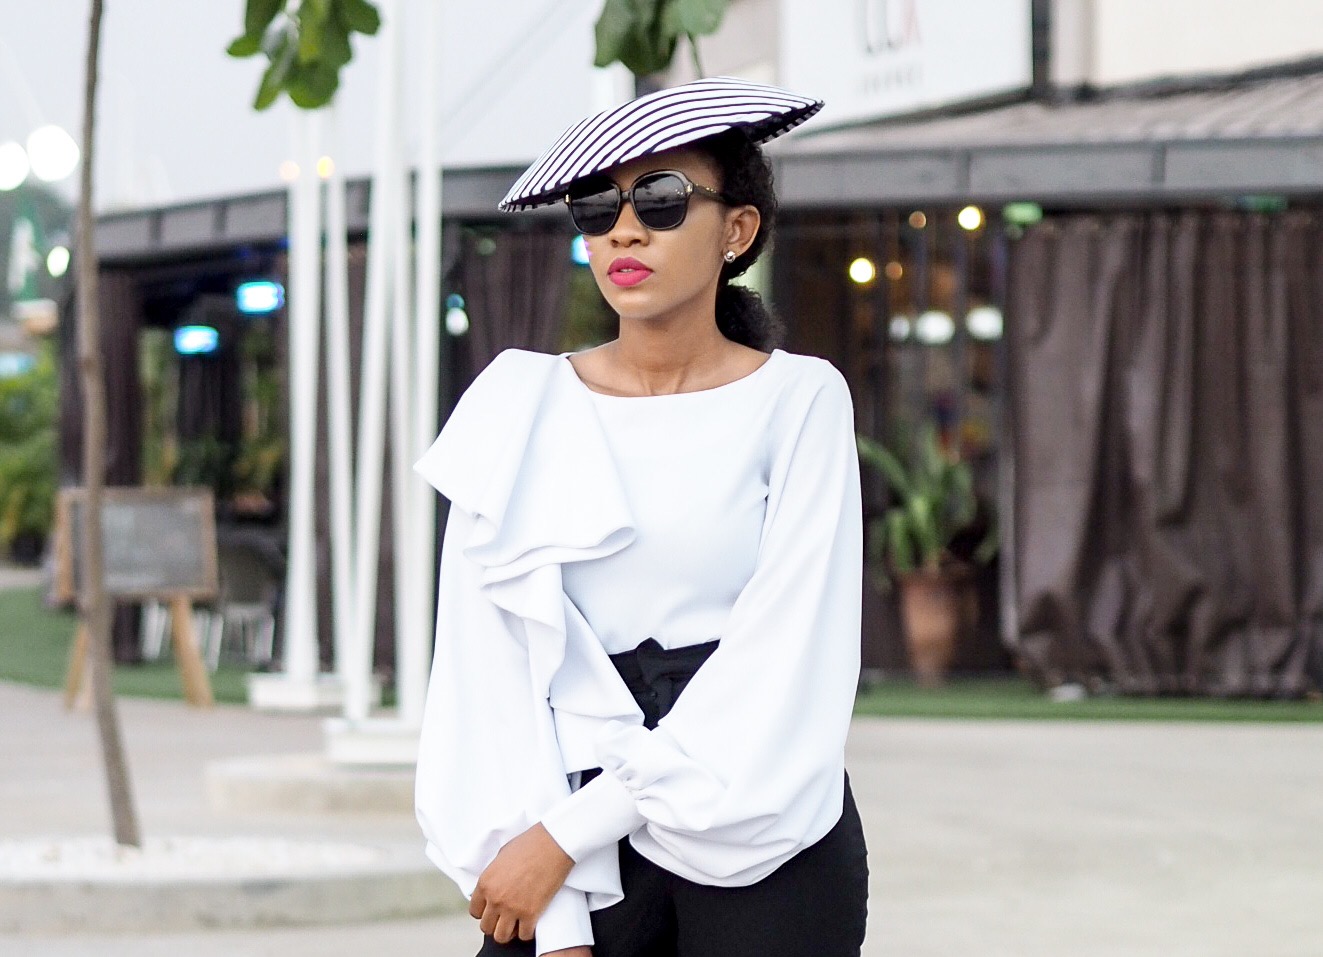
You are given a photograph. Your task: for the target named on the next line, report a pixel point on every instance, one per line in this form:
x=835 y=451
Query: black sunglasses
x=660 y=200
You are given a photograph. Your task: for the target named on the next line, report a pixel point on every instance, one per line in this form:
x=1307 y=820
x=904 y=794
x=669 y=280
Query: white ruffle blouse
x=582 y=524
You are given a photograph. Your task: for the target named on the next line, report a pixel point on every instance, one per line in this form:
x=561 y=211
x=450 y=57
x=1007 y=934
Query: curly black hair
x=746 y=179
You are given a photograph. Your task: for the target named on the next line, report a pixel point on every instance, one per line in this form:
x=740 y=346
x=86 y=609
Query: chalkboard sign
x=158 y=543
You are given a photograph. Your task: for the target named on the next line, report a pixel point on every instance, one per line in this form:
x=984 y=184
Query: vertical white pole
x=339 y=417
x=402 y=401
x=300 y=656
x=382 y=243
x=414 y=647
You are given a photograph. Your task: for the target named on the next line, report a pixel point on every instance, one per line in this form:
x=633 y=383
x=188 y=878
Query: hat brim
x=661 y=121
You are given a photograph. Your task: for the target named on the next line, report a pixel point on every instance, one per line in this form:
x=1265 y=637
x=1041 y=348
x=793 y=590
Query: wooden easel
x=199 y=582
x=188 y=659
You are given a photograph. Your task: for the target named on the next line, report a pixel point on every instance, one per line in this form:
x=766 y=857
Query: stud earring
x=729 y=255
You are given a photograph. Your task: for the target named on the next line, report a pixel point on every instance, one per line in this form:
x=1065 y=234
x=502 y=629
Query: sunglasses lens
x=660 y=201
x=595 y=206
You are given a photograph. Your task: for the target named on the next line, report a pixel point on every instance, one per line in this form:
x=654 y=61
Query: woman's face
x=671 y=273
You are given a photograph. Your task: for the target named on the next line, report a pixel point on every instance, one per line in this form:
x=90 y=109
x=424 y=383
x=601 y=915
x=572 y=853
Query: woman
x=648 y=634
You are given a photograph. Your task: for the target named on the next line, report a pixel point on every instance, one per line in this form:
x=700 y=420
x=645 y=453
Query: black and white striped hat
x=653 y=123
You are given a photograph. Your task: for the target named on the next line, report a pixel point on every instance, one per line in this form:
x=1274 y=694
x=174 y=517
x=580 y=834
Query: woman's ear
x=742 y=225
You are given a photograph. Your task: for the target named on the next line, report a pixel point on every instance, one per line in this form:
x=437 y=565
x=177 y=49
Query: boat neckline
x=733 y=383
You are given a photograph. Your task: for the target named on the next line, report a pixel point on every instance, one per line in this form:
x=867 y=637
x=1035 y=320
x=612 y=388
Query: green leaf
x=336 y=51
x=245 y=45
x=360 y=16
x=312 y=87
x=258 y=14
x=898 y=541
x=310 y=33
x=273 y=80
x=698 y=17
x=881 y=458
x=612 y=29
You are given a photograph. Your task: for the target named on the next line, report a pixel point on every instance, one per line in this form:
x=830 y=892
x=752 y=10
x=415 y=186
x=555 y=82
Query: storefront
x=1113 y=309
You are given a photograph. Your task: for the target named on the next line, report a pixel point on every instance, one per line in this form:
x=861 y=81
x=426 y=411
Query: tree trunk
x=95 y=606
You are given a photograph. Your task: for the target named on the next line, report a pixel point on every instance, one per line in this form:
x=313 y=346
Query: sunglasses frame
x=627 y=195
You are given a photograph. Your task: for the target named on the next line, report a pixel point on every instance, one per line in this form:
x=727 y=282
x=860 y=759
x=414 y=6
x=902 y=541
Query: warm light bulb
x=289 y=171
x=918 y=219
x=863 y=271
x=970 y=218
x=893 y=270
x=325 y=167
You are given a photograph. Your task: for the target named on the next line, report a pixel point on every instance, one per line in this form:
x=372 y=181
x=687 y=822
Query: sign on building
x=875 y=58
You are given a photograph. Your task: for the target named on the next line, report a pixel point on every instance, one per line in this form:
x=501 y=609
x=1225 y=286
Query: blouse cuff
x=595 y=816
x=565 y=922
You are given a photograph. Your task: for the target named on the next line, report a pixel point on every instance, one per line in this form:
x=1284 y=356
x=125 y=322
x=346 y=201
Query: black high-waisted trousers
x=814 y=905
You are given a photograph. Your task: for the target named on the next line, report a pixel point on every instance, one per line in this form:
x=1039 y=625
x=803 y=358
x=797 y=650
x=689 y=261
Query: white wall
x=1108 y=42
x=175 y=113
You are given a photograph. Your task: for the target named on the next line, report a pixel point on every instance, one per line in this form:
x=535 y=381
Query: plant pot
x=933 y=609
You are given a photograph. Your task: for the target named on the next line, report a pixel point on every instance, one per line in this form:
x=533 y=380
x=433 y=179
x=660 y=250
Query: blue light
x=259 y=297
x=13 y=364
x=454 y=301
x=196 y=340
x=579 y=251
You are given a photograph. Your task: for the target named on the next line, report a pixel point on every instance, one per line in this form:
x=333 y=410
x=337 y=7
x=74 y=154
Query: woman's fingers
x=506 y=928
x=526 y=929
x=477 y=903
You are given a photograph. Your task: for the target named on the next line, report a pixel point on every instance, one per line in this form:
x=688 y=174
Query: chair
x=251 y=572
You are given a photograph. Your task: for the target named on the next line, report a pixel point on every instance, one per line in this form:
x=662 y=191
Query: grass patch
x=34 y=650
x=1017 y=699
x=35 y=640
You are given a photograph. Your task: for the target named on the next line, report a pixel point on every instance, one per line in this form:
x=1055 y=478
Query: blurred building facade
x=1081 y=236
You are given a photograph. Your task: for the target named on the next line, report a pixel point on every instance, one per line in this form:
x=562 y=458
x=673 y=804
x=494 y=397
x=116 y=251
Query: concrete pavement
x=991 y=839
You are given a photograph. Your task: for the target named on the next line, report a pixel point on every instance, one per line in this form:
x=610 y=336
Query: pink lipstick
x=627 y=271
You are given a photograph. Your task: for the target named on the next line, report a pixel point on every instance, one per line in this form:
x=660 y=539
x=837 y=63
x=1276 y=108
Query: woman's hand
x=570 y=952
x=518 y=885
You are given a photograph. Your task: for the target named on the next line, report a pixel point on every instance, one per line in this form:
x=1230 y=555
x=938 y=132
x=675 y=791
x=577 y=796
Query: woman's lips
x=627 y=272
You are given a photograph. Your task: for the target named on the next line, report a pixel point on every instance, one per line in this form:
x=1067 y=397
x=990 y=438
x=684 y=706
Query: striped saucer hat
x=653 y=123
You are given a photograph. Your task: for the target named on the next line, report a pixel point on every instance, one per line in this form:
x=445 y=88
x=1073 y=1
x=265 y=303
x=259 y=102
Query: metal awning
x=1253 y=136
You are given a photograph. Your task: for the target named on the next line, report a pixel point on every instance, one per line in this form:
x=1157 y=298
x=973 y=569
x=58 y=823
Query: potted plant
x=934 y=502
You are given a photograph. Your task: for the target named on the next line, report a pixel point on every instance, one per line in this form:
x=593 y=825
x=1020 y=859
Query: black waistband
x=655 y=675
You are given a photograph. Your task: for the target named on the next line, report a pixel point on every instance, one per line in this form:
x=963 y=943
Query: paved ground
x=987 y=839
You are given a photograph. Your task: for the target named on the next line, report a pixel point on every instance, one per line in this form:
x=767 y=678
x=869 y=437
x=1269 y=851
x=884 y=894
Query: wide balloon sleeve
x=748 y=767
x=487 y=762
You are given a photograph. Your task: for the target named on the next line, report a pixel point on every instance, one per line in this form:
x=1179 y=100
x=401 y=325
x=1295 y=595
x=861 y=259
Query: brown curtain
x=514 y=286
x=1166 y=376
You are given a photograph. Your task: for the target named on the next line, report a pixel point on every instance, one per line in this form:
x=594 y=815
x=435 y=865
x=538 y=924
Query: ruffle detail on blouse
x=524 y=452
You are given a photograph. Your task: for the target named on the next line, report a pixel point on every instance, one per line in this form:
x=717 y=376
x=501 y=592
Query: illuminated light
x=918 y=219
x=289 y=171
x=893 y=270
x=325 y=167
x=57 y=261
x=454 y=301
x=259 y=297
x=485 y=246
x=863 y=271
x=13 y=166
x=1022 y=214
x=984 y=323
x=934 y=328
x=15 y=364
x=196 y=340
x=457 y=321
x=53 y=153
x=579 y=254
x=900 y=327
x=970 y=218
